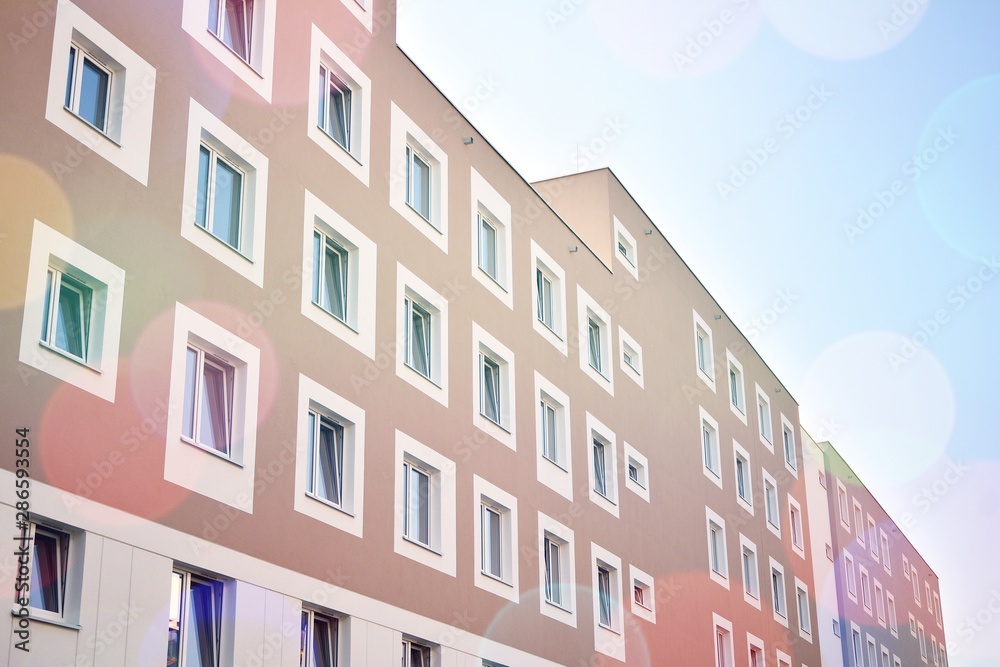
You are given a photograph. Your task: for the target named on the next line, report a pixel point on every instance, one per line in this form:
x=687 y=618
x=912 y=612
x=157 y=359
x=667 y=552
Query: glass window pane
x=204 y=614
x=204 y=173
x=227 y=202
x=322 y=119
x=419 y=184
x=324 y=642
x=69 y=77
x=335 y=280
x=330 y=455
x=487 y=247
x=236 y=26
x=490 y=404
x=419 y=340
x=46 y=573
x=600 y=484
x=70 y=319
x=604 y=594
x=594 y=333
x=418 y=505
x=190 y=389
x=46 y=306
x=214 y=428
x=93 y=101
x=174 y=618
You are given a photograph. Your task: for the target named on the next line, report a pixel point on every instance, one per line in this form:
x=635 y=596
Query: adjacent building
x=300 y=371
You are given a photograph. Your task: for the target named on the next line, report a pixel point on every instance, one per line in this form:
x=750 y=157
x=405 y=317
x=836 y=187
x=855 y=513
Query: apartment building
x=302 y=372
x=879 y=602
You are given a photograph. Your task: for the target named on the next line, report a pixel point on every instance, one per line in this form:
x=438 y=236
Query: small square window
x=425 y=495
x=626 y=246
x=416 y=654
x=319 y=639
x=771 y=510
x=336 y=108
x=548 y=299
x=194 y=625
x=744 y=487
x=704 y=354
x=718 y=559
x=710 y=448
x=88 y=88
x=491 y=258
x=638 y=472
x=209 y=383
x=595 y=341
x=643 y=594
x=331 y=283
x=631 y=357
x=751 y=575
x=737 y=391
x=764 y=418
x=418 y=184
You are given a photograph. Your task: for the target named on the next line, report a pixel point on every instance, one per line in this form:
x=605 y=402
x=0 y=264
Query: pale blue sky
x=873 y=87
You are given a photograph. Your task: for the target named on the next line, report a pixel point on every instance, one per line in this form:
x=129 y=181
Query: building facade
x=300 y=371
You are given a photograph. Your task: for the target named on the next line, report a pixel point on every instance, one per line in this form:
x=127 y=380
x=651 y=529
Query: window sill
x=58 y=622
x=555 y=605
x=236 y=55
x=606 y=497
x=351 y=327
x=497 y=424
x=224 y=244
x=422 y=545
x=92 y=127
x=550 y=328
x=424 y=218
x=493 y=577
x=66 y=355
x=339 y=145
x=213 y=452
x=330 y=504
x=496 y=282
x=556 y=464
x=421 y=375
x=608 y=628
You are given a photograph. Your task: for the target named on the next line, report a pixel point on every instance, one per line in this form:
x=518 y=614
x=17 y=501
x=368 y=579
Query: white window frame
x=906 y=567
x=248 y=259
x=884 y=548
x=779 y=599
x=852 y=578
x=558 y=474
x=844 y=506
x=634 y=459
x=741 y=459
x=864 y=581
x=358 y=329
x=915 y=580
x=440 y=553
x=405 y=136
x=409 y=286
x=751 y=584
x=872 y=650
x=857 y=646
x=338 y=628
x=324 y=52
x=937 y=610
x=257 y=72
x=788 y=432
x=771 y=491
x=880 y=613
x=755 y=645
x=796 y=524
x=609 y=639
x=722 y=641
x=859 y=522
x=629 y=349
x=126 y=140
x=565 y=611
x=805 y=618
x=765 y=427
x=598 y=431
x=349 y=515
x=229 y=480
x=715 y=534
x=647 y=583
x=70 y=566
x=890 y=610
x=432 y=652
x=913 y=625
x=97 y=375
x=713 y=473
x=80 y=57
x=496 y=499
x=884 y=658
x=588 y=311
x=630 y=258
x=872 y=537
x=736 y=384
x=704 y=353
x=488 y=204
x=223 y=592
x=488 y=350
x=205 y=359
x=556 y=334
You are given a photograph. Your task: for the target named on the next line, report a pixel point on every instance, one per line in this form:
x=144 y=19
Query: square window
x=418 y=185
x=710 y=448
x=643 y=594
x=418 y=337
x=595 y=341
x=330 y=437
x=603 y=465
x=638 y=472
x=209 y=382
x=341 y=98
x=556 y=571
x=491 y=258
x=626 y=246
x=764 y=418
x=704 y=355
x=608 y=609
x=338 y=276
x=425 y=497
x=225 y=195
x=631 y=357
x=771 y=510
x=72 y=315
x=744 y=487
x=48 y=591
x=423 y=334
x=548 y=298
x=94 y=79
x=718 y=559
x=496 y=548
x=319 y=639
x=751 y=574
x=416 y=654
x=493 y=387
x=194 y=625
x=552 y=437
x=211 y=430
x=240 y=34
x=737 y=392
